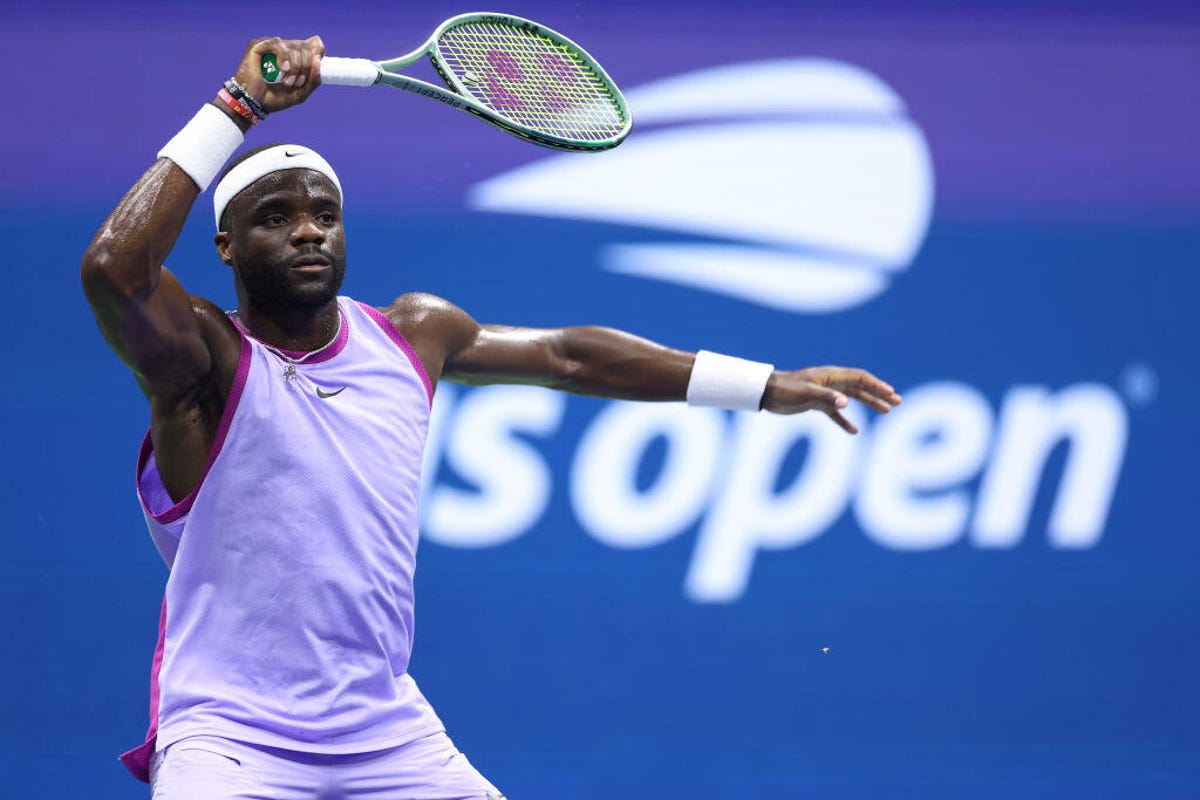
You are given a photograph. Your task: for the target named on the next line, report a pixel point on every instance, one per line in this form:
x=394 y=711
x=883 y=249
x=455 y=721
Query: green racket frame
x=364 y=72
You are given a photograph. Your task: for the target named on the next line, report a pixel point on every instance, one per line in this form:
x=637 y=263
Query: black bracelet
x=239 y=93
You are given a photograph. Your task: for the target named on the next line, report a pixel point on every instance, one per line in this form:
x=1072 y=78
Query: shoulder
x=422 y=307
x=423 y=314
x=436 y=327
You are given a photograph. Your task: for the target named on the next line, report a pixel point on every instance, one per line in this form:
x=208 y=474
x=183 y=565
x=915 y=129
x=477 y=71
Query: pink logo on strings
x=500 y=96
x=557 y=67
x=506 y=65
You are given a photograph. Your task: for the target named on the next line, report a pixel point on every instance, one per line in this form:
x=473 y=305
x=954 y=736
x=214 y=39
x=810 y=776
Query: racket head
x=539 y=84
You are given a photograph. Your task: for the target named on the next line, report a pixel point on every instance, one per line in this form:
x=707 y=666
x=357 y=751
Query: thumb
x=833 y=398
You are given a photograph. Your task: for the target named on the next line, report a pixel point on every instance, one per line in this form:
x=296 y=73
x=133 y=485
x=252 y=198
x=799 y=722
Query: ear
x=224 y=243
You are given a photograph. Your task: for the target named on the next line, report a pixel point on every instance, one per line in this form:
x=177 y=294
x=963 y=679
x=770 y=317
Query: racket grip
x=349 y=71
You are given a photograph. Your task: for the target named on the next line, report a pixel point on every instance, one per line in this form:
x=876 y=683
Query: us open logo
x=802 y=186
x=806 y=186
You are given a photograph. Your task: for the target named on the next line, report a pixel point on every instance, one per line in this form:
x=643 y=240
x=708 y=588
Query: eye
x=275 y=219
x=327 y=218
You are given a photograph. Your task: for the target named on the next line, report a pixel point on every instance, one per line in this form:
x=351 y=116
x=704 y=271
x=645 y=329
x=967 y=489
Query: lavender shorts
x=213 y=768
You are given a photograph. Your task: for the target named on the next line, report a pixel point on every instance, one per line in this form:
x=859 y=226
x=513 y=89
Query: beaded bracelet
x=237 y=106
x=239 y=93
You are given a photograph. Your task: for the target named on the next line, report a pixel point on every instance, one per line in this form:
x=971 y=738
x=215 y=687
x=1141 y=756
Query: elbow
x=567 y=366
x=103 y=273
x=96 y=267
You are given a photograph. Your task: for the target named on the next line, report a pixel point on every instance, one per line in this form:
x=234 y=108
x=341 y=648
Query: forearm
x=133 y=242
x=595 y=361
x=605 y=362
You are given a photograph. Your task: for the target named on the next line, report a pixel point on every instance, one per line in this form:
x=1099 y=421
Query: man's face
x=285 y=240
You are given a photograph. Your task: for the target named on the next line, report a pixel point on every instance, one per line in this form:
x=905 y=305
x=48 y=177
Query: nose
x=307 y=230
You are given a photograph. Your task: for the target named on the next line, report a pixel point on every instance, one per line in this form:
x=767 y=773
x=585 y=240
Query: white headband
x=274 y=159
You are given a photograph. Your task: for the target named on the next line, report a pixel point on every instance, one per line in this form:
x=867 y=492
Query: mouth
x=310 y=264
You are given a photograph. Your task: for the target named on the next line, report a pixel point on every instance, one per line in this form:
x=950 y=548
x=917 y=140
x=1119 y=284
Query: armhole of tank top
x=393 y=333
x=180 y=509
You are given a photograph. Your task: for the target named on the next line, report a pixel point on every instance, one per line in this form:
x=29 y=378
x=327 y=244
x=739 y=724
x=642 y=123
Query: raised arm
x=143 y=311
x=604 y=362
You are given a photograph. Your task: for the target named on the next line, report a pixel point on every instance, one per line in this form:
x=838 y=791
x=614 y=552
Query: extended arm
x=609 y=363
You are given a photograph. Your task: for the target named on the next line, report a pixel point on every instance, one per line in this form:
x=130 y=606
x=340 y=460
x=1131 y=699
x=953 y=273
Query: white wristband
x=203 y=146
x=726 y=382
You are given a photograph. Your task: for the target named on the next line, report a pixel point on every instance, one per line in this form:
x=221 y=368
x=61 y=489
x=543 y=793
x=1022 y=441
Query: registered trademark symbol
x=1139 y=384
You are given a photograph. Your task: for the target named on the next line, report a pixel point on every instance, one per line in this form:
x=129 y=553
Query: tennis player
x=280 y=474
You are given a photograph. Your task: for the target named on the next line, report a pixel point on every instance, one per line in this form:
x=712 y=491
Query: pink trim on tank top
x=231 y=403
x=396 y=336
x=339 y=342
x=137 y=760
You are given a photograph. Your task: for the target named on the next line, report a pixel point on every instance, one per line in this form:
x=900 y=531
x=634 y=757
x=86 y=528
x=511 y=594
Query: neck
x=291 y=329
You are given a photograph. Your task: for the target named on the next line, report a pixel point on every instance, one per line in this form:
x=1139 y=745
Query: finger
x=871 y=401
x=259 y=48
x=307 y=64
x=877 y=387
x=317 y=48
x=267 y=44
x=860 y=382
x=862 y=379
x=283 y=55
x=842 y=422
x=283 y=61
x=297 y=64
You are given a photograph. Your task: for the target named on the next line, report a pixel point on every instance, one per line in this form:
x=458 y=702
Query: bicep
x=156 y=334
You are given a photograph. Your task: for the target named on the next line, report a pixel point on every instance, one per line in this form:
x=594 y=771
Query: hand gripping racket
x=518 y=75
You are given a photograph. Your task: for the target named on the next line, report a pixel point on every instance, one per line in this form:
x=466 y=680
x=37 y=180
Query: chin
x=313 y=294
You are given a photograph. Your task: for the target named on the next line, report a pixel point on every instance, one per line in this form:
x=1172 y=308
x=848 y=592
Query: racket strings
x=532 y=80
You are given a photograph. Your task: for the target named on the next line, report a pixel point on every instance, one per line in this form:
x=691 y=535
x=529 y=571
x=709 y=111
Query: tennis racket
x=520 y=76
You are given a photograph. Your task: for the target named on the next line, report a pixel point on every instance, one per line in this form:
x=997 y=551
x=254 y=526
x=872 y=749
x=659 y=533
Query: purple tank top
x=288 y=614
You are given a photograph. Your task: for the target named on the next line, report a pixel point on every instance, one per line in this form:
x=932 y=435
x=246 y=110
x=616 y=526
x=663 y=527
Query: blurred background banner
x=992 y=592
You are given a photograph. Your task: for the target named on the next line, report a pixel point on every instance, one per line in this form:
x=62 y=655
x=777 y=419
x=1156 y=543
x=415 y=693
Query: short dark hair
x=253 y=151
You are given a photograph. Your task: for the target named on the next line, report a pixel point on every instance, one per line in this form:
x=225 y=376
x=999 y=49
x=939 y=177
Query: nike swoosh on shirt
x=326 y=395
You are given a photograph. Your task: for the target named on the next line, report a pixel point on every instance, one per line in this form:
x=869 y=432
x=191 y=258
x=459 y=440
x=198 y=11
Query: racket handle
x=349 y=71
x=337 y=71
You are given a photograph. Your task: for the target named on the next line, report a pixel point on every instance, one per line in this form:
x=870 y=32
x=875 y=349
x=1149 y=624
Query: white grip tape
x=203 y=146
x=349 y=71
x=726 y=382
